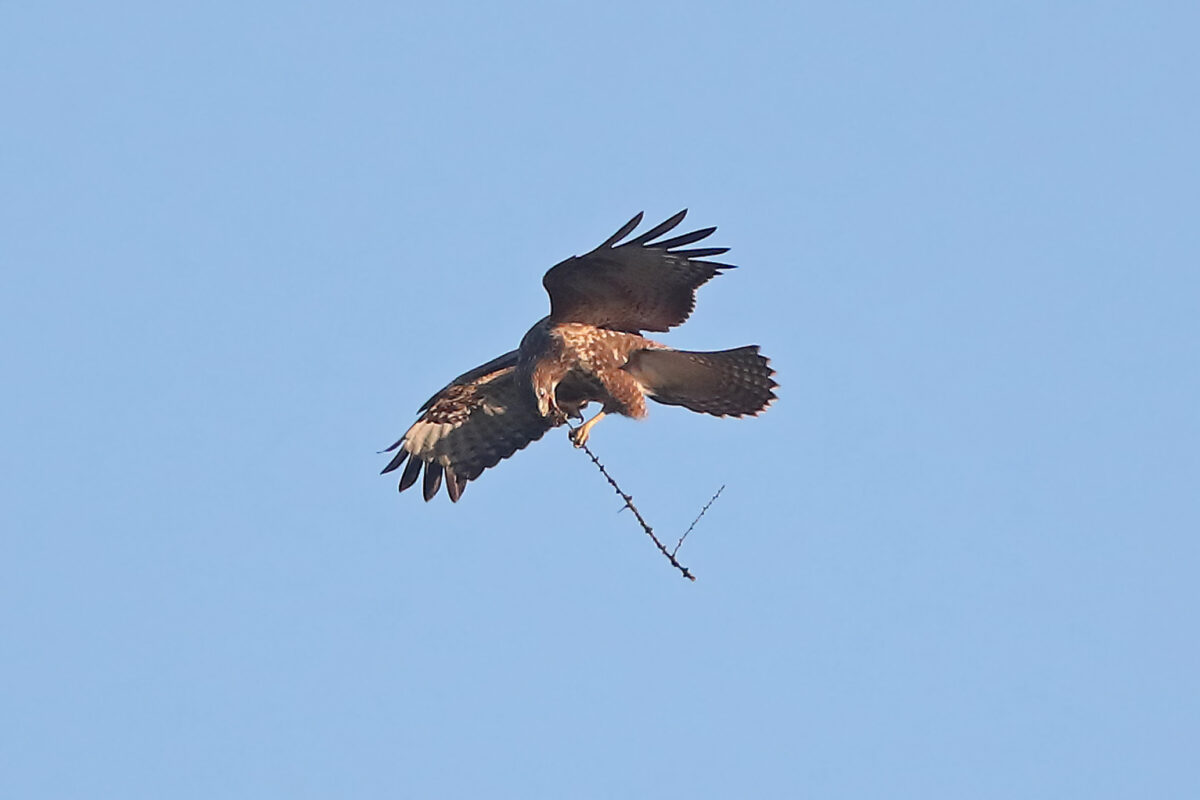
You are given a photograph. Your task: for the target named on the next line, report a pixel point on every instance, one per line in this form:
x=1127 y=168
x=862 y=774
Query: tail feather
x=724 y=382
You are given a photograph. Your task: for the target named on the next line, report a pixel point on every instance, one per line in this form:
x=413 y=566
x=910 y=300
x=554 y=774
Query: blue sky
x=239 y=245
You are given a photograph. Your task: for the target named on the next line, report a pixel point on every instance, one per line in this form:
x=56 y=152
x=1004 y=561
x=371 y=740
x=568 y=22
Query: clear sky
x=241 y=243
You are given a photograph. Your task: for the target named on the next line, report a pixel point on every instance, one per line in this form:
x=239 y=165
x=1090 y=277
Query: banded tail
x=723 y=382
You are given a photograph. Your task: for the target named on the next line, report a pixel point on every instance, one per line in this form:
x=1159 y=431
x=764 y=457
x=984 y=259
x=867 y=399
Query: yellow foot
x=580 y=435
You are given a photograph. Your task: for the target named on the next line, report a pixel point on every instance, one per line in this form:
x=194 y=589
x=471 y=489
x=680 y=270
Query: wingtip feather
x=396 y=461
x=410 y=473
x=453 y=488
x=658 y=230
x=623 y=231
x=433 y=480
x=686 y=238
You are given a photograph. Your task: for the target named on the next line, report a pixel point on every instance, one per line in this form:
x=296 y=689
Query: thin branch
x=645 y=525
x=711 y=500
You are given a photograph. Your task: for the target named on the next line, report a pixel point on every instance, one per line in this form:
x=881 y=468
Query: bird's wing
x=638 y=285
x=479 y=418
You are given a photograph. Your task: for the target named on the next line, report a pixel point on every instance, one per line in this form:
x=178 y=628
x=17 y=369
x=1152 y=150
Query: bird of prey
x=589 y=349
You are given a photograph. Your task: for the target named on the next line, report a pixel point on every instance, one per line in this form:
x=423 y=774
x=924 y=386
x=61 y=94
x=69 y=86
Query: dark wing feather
x=478 y=419
x=433 y=480
x=397 y=459
x=658 y=230
x=409 y=477
x=498 y=363
x=640 y=285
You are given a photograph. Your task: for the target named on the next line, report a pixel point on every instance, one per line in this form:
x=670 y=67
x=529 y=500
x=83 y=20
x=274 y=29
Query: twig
x=711 y=500
x=645 y=525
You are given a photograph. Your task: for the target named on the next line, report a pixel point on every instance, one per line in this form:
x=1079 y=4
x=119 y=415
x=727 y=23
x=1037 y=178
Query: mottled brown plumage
x=587 y=350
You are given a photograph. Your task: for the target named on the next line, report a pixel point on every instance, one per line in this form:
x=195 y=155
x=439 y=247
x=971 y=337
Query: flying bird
x=589 y=349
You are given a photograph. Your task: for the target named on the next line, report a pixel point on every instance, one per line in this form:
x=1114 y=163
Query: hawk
x=589 y=349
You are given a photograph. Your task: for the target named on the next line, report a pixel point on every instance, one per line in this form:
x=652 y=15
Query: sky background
x=241 y=243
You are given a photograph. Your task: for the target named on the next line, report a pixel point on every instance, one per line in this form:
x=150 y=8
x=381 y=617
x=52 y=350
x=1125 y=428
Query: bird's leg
x=580 y=435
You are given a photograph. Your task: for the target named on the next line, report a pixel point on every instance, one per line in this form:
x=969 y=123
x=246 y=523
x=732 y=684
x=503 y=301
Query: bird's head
x=542 y=391
x=543 y=384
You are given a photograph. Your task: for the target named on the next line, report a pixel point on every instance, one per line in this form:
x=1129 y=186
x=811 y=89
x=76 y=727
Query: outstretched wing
x=638 y=285
x=479 y=418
